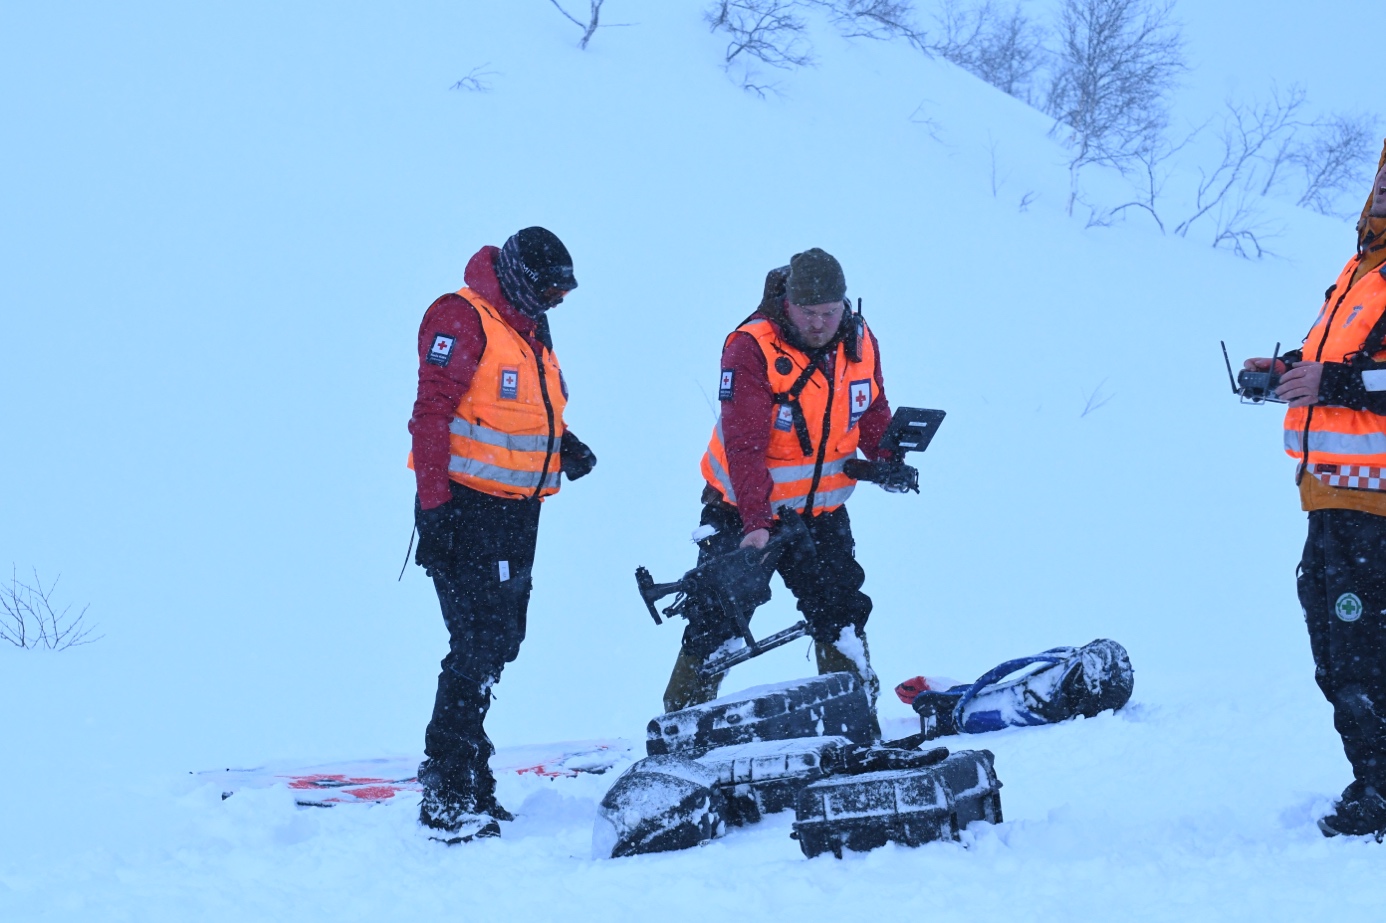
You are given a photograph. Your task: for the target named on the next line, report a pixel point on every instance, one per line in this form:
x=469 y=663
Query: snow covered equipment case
x=661 y=803
x=971 y=779
x=739 y=581
x=906 y=806
x=1064 y=682
x=831 y=705
x=766 y=777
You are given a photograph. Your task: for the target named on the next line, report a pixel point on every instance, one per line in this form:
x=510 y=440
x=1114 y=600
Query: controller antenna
x=1228 y=362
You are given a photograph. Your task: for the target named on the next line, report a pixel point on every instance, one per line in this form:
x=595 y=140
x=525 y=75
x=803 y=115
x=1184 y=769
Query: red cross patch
x=441 y=350
x=859 y=399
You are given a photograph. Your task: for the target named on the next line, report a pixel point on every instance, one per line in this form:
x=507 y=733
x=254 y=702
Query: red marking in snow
x=330 y=781
x=372 y=792
x=550 y=771
x=547 y=771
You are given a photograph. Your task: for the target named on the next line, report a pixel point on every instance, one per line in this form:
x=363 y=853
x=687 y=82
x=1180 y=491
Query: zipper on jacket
x=1318 y=357
x=548 y=409
x=822 y=440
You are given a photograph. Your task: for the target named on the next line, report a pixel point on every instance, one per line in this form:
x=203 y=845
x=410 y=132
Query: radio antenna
x=1230 y=380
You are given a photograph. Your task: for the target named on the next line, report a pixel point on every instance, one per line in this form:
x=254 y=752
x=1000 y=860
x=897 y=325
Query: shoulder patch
x=440 y=353
x=726 y=386
x=783 y=365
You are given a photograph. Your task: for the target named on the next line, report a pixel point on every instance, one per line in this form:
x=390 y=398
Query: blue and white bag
x=1057 y=685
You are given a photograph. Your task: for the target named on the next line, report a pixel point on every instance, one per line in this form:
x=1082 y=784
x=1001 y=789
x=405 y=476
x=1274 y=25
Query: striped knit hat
x=531 y=263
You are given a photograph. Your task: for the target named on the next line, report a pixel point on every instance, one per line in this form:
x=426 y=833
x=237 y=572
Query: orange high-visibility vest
x=814 y=430
x=1323 y=436
x=506 y=430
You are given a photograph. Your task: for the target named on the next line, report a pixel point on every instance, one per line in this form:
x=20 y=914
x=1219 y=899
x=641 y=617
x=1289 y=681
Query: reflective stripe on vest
x=798 y=479
x=1340 y=435
x=510 y=441
x=506 y=430
x=521 y=480
x=1323 y=442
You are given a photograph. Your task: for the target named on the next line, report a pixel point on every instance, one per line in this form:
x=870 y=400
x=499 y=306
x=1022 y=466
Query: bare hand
x=1261 y=365
x=756 y=538
x=1300 y=385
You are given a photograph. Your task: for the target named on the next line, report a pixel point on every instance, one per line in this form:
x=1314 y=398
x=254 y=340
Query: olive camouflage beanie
x=815 y=277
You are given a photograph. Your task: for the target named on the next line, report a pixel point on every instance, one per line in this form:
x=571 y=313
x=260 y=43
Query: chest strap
x=790 y=398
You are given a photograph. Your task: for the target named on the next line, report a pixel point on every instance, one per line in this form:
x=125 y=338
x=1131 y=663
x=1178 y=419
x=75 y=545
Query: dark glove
x=893 y=477
x=436 y=537
x=574 y=457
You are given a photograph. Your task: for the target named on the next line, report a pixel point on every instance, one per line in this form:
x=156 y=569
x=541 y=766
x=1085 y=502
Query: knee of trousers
x=1358 y=707
x=708 y=629
x=827 y=618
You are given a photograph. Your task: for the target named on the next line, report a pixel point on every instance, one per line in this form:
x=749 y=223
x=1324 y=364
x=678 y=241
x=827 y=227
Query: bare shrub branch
x=1095 y=400
x=1241 y=229
x=769 y=30
x=1002 y=46
x=1116 y=63
x=1337 y=156
x=1254 y=140
x=28 y=618
x=593 y=22
x=476 y=80
x=882 y=20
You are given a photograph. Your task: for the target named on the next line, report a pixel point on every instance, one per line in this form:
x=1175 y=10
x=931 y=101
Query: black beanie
x=530 y=263
x=815 y=277
x=542 y=258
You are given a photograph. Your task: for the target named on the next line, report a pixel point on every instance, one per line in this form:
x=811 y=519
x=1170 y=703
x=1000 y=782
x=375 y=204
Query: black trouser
x=483 y=588
x=1342 y=586
x=827 y=585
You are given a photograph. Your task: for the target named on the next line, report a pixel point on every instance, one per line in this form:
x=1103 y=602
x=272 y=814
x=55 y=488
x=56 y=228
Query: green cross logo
x=1349 y=607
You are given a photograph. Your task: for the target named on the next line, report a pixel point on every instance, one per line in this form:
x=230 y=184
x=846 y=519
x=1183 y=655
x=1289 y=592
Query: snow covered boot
x=687 y=687
x=451 y=823
x=1361 y=811
x=458 y=805
x=486 y=802
x=850 y=654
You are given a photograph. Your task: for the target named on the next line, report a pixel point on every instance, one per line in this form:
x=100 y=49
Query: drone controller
x=1255 y=387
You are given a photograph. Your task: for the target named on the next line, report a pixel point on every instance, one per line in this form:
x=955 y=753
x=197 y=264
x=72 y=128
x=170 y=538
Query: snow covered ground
x=221 y=228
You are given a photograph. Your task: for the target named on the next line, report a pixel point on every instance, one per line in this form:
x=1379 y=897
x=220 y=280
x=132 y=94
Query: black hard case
x=906 y=806
x=832 y=705
x=766 y=777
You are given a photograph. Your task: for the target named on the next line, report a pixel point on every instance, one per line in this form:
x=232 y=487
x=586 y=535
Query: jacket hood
x=481 y=277
x=1371 y=232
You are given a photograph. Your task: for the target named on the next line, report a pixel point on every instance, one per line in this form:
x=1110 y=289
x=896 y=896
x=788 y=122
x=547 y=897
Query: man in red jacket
x=801 y=391
x=489 y=444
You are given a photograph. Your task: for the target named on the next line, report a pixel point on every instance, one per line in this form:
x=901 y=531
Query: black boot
x=486 y=803
x=1361 y=811
x=450 y=805
x=452 y=822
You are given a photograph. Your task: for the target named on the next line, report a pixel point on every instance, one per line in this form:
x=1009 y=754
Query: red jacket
x=442 y=386
x=746 y=422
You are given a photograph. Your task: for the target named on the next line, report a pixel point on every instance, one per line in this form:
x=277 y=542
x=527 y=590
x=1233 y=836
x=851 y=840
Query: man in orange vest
x=489 y=445
x=801 y=390
x=1336 y=429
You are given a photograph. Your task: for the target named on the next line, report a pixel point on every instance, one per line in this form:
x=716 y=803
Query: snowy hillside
x=220 y=233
